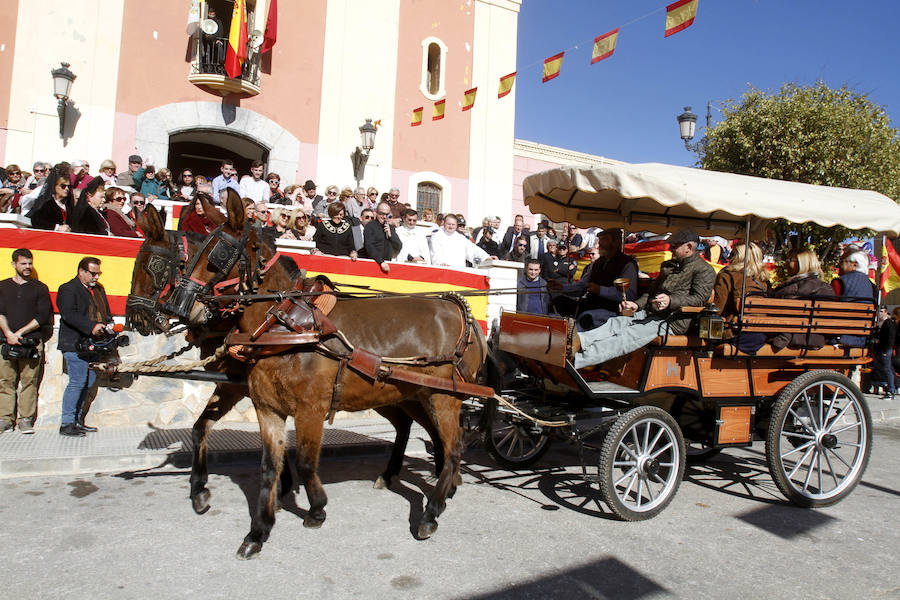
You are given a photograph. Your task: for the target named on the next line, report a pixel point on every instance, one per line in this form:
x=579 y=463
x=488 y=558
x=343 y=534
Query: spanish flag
x=417 y=116
x=237 y=40
x=890 y=277
x=469 y=98
x=680 y=15
x=438 y=113
x=605 y=45
x=506 y=84
x=552 y=66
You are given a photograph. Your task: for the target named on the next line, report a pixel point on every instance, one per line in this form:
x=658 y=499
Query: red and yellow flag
x=605 y=45
x=237 y=40
x=506 y=84
x=890 y=277
x=417 y=116
x=438 y=112
x=469 y=98
x=552 y=66
x=680 y=15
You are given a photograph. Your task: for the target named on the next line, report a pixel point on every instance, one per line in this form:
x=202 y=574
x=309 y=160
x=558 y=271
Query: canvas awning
x=664 y=198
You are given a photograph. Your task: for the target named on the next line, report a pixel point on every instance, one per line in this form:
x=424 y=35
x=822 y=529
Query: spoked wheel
x=641 y=463
x=512 y=440
x=819 y=439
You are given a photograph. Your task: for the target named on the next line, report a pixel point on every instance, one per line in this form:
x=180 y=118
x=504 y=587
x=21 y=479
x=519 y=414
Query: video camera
x=27 y=349
x=105 y=344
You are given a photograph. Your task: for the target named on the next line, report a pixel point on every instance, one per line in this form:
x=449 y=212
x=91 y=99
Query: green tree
x=810 y=134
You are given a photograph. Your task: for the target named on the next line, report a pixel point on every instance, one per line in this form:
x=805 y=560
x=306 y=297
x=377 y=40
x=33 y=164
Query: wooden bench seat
x=828 y=351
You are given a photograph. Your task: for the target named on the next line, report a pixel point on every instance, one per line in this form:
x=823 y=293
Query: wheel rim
x=514 y=440
x=822 y=441
x=645 y=465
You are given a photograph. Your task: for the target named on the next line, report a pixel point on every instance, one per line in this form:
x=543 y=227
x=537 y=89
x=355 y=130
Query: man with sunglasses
x=381 y=239
x=519 y=251
x=84 y=313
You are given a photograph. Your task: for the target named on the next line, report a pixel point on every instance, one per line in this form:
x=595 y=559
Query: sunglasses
x=138 y=203
x=96 y=273
x=301 y=218
x=395 y=195
x=64 y=186
x=332 y=193
x=119 y=198
x=188 y=175
x=373 y=193
x=274 y=181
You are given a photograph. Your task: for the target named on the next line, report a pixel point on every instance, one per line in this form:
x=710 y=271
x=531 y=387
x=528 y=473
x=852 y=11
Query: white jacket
x=454 y=250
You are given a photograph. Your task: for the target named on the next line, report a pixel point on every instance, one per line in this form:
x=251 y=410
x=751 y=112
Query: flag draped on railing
x=271 y=34
x=237 y=40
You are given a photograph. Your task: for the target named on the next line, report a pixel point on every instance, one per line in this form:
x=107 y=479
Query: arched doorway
x=203 y=150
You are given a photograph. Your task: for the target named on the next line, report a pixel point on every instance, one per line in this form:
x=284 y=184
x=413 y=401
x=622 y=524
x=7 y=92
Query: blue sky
x=625 y=106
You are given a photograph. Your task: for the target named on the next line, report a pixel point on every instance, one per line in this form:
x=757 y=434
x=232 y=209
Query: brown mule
x=155 y=270
x=301 y=383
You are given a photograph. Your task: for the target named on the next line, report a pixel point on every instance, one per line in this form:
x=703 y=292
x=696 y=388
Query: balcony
x=208 y=70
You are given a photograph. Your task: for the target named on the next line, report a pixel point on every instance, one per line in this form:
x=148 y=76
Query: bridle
x=226 y=252
x=165 y=267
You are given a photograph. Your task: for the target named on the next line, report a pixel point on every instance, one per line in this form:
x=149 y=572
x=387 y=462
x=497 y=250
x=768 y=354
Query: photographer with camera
x=24 y=310
x=84 y=321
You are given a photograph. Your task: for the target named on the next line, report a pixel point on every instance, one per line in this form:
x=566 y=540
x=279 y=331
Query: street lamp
x=62 y=85
x=687 y=125
x=361 y=154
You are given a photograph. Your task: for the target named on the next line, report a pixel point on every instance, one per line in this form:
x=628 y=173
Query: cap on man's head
x=683 y=236
x=487 y=230
x=309 y=185
x=135 y=158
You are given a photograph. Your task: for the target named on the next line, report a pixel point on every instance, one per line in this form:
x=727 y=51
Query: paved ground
x=539 y=533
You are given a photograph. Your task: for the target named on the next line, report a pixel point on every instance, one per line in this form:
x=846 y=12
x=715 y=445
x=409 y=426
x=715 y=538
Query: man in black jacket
x=84 y=313
x=381 y=239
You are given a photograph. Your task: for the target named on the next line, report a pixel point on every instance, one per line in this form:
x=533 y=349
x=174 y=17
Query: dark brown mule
x=301 y=383
x=153 y=273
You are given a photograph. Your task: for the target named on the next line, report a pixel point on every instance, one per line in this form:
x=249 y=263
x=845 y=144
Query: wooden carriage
x=685 y=397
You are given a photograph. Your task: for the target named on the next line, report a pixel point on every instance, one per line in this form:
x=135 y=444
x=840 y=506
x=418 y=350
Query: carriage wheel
x=641 y=463
x=819 y=439
x=511 y=440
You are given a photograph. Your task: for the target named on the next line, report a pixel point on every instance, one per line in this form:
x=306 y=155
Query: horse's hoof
x=201 y=501
x=426 y=530
x=380 y=483
x=457 y=481
x=311 y=522
x=248 y=550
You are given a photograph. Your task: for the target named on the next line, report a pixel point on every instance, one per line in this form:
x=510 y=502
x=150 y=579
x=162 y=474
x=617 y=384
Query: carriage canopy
x=641 y=196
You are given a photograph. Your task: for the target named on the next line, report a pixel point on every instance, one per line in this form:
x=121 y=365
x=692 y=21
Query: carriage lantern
x=712 y=325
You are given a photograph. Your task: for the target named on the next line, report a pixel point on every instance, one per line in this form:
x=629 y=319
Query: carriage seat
x=677 y=341
x=828 y=351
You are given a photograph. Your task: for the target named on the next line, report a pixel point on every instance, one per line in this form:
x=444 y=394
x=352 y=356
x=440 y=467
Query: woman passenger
x=728 y=287
x=804 y=281
x=334 y=235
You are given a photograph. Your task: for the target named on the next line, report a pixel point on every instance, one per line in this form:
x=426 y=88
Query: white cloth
x=258 y=191
x=453 y=250
x=414 y=244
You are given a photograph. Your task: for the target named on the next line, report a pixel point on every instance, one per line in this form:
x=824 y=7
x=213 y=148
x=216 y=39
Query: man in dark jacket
x=84 y=313
x=380 y=237
x=532 y=294
x=684 y=280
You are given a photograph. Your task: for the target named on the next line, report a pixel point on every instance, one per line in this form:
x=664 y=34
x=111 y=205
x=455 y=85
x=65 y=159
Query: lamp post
x=687 y=125
x=62 y=85
x=361 y=154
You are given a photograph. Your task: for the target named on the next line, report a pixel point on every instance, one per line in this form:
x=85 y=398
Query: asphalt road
x=536 y=534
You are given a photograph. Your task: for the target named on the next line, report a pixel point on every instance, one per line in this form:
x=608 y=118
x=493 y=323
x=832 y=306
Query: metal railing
x=211 y=59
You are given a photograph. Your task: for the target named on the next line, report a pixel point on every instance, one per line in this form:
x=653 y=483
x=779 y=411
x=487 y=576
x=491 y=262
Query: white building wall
x=493 y=119
x=356 y=87
x=87 y=34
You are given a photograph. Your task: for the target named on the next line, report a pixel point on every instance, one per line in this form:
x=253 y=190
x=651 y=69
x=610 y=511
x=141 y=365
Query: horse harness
x=165 y=267
x=304 y=321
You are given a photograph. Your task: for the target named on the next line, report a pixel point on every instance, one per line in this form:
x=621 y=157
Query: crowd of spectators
x=357 y=222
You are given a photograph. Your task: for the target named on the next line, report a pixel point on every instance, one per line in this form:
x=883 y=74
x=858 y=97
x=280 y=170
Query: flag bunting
x=605 y=45
x=506 y=84
x=417 y=116
x=552 y=66
x=469 y=98
x=438 y=113
x=680 y=15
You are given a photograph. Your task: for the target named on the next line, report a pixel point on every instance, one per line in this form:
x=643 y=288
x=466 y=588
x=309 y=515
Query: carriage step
x=608 y=387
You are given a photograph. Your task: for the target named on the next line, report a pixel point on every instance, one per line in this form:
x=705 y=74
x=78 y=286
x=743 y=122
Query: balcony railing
x=208 y=69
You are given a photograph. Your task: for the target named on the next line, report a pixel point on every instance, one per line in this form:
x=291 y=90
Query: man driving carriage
x=684 y=280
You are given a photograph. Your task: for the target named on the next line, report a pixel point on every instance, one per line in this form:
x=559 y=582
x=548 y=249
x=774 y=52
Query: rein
x=165 y=267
